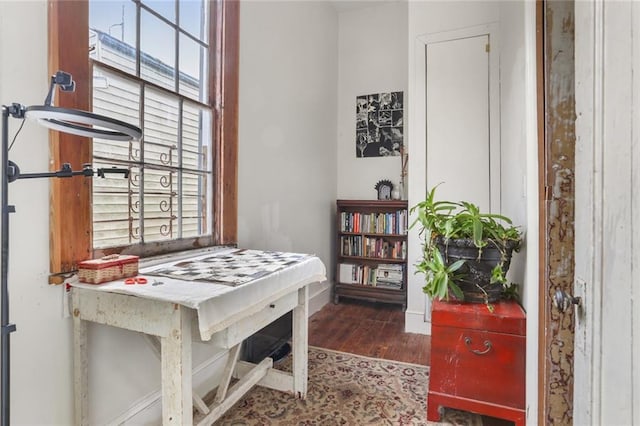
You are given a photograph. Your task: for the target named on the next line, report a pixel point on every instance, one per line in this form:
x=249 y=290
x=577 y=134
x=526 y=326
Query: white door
x=458 y=131
x=607 y=219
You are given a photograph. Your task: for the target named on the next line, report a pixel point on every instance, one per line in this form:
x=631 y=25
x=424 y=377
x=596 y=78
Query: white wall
x=513 y=126
x=287 y=174
x=372 y=59
x=520 y=166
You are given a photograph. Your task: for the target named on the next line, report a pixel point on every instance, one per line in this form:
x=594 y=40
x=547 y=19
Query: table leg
x=227 y=374
x=301 y=343
x=176 y=371
x=80 y=368
x=198 y=403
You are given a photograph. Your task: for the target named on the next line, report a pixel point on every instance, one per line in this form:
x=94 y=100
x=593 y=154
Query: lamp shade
x=82 y=123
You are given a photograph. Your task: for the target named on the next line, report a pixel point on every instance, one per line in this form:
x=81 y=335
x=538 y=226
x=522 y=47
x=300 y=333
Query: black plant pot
x=475 y=274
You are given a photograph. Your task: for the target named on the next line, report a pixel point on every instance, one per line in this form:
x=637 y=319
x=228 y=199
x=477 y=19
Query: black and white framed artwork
x=379 y=124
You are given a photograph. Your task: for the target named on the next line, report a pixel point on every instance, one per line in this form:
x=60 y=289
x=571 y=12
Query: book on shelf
x=347 y=273
x=356 y=274
x=374 y=223
x=389 y=272
x=389 y=275
x=383 y=276
x=376 y=247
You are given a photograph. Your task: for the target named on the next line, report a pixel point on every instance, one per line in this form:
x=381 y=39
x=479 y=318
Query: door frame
x=555 y=25
x=534 y=153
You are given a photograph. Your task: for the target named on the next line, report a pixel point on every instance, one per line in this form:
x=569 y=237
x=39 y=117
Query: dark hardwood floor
x=375 y=330
x=370 y=329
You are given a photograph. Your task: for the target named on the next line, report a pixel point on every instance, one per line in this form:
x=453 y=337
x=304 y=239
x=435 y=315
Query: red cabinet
x=478 y=360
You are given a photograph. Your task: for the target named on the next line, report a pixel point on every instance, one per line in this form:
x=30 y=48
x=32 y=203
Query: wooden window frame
x=71 y=226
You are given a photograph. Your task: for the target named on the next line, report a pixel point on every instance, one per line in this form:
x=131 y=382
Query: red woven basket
x=108 y=268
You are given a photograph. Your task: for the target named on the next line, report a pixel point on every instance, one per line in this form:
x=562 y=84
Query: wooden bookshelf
x=371 y=251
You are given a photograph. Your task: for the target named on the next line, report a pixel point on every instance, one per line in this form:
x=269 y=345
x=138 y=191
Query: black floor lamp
x=66 y=120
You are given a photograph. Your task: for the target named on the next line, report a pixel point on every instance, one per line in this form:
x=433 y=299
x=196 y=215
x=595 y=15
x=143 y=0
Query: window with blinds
x=151 y=68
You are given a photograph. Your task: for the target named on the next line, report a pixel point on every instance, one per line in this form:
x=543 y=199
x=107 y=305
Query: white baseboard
x=319 y=299
x=414 y=322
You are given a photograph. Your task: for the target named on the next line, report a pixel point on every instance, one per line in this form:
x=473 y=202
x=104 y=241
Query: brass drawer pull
x=487 y=345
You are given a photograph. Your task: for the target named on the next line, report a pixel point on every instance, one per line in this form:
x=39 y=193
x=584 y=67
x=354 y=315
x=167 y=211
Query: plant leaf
x=477 y=232
x=456 y=265
x=456 y=290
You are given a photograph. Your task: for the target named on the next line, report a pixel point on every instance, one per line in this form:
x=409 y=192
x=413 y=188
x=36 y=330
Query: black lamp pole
x=68 y=121
x=7 y=328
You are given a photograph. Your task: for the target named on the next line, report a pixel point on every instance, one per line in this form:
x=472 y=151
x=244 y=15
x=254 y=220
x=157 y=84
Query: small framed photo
x=384 y=188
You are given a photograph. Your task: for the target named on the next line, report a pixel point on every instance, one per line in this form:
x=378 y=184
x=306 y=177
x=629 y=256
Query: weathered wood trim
x=237 y=391
x=300 y=340
x=124 y=311
x=80 y=370
x=542 y=220
x=198 y=403
x=275 y=379
x=635 y=208
x=169 y=321
x=176 y=369
x=227 y=374
x=70 y=215
x=558 y=203
x=236 y=332
x=226 y=41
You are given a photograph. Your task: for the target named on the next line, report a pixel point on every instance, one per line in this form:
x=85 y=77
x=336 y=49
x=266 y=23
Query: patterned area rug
x=346 y=389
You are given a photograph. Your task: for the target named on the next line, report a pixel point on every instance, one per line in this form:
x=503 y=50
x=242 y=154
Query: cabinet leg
x=336 y=299
x=433 y=410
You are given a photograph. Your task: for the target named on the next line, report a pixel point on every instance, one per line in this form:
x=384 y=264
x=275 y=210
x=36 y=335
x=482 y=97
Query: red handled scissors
x=135 y=280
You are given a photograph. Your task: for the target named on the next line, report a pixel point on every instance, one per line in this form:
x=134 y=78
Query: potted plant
x=466 y=253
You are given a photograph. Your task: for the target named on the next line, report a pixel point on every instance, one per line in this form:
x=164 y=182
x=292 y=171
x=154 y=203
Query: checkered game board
x=231 y=268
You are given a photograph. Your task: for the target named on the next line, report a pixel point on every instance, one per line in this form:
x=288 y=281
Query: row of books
x=358 y=245
x=374 y=223
x=382 y=276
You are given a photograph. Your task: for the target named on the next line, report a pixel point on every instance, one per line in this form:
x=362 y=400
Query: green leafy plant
x=442 y=276
x=444 y=221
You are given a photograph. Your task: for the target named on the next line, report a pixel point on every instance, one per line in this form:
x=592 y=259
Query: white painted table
x=223 y=314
